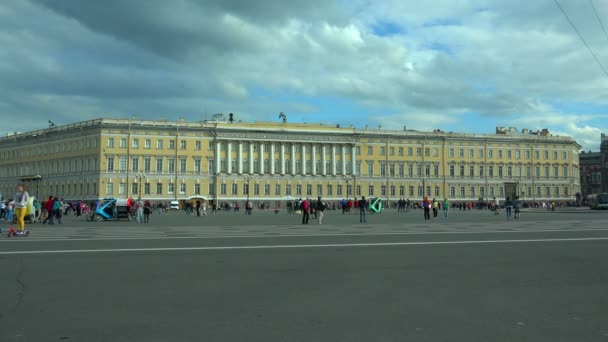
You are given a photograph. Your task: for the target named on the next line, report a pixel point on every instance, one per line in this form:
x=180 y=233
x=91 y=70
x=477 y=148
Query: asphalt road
x=499 y=282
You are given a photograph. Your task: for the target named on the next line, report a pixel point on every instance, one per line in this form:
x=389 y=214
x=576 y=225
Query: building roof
x=501 y=134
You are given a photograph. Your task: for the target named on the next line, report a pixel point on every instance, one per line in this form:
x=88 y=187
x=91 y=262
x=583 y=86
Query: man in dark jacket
x=363 y=210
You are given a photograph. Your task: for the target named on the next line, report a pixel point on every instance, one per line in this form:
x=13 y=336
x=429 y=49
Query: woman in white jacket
x=21 y=199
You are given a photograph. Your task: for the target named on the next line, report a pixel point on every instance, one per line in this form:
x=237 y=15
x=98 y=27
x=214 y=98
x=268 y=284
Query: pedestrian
x=435 y=208
x=198 y=207
x=446 y=208
x=363 y=210
x=140 y=210
x=48 y=207
x=21 y=202
x=508 y=207
x=426 y=204
x=147 y=210
x=57 y=212
x=320 y=209
x=517 y=207
x=344 y=205
x=305 y=211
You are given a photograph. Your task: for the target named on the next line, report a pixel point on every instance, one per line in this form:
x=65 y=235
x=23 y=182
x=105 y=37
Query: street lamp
x=347 y=179
x=247 y=180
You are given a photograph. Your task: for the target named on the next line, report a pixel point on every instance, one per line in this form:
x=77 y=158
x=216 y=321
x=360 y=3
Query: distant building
x=272 y=161
x=594 y=169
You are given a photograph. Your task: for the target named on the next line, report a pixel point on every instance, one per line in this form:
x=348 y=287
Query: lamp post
x=347 y=179
x=247 y=180
x=423 y=180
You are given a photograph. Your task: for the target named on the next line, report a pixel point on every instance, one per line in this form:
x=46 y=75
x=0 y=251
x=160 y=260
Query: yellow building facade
x=270 y=162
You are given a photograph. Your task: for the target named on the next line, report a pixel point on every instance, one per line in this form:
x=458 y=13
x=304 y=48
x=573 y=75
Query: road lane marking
x=213 y=235
x=329 y=245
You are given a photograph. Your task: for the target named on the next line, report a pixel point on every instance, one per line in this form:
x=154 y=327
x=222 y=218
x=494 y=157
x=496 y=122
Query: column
x=218 y=160
x=282 y=158
x=303 y=154
x=228 y=157
x=251 y=157
x=314 y=160
x=323 y=160
x=261 y=154
x=293 y=159
x=240 y=157
x=353 y=157
x=271 y=158
x=333 y=160
x=344 y=159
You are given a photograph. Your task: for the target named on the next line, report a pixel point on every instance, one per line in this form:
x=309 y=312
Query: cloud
x=437 y=60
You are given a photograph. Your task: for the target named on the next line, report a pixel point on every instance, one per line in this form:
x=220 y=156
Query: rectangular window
x=461 y=171
x=461 y=152
x=123 y=142
x=182 y=145
x=147 y=143
x=171 y=188
x=452 y=192
x=471 y=171
x=358 y=150
x=330 y=190
x=517 y=154
x=537 y=156
x=546 y=154
x=197 y=165
x=370 y=190
x=267 y=189
x=370 y=151
x=482 y=170
x=146 y=188
x=528 y=172
x=435 y=152
x=211 y=189
x=554 y=155
x=382 y=169
x=401 y=170
x=171 y=165
x=547 y=172
x=472 y=192
x=509 y=171
x=471 y=153
x=436 y=191
x=182 y=166
x=182 y=188
x=436 y=170
x=490 y=153
x=537 y=172
x=462 y=192
x=565 y=171
x=392 y=151
x=159 y=188
x=320 y=189
x=418 y=151
x=427 y=170
x=235 y=189
x=383 y=190
x=197 y=189
x=308 y=189
x=565 y=157
x=527 y=154
x=480 y=153
x=452 y=171
x=135 y=143
x=277 y=189
x=299 y=190
x=410 y=170
x=401 y=190
x=159 y=144
x=256 y=189
x=500 y=172
x=427 y=152
x=418 y=170
x=382 y=151
x=122 y=163
x=288 y=190
x=159 y=164
x=411 y=190
x=500 y=154
x=555 y=172
x=110 y=163
x=172 y=144
x=401 y=151
x=370 y=169
x=109 y=189
x=135 y=164
x=110 y=143
x=409 y=151
x=509 y=155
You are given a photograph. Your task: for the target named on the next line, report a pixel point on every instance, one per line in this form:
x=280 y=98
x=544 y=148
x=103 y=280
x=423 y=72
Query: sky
x=455 y=65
